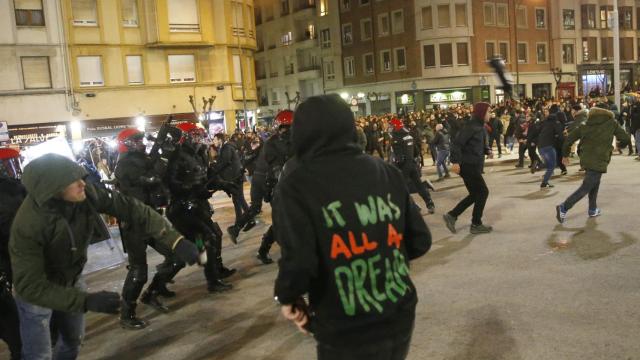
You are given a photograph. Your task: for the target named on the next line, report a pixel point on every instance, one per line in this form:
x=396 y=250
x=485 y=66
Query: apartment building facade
x=380 y=58
x=33 y=79
x=298 y=51
x=584 y=38
x=132 y=59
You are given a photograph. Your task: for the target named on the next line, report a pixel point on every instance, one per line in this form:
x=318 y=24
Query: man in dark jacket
x=49 y=239
x=442 y=144
x=467 y=157
x=635 y=126
x=596 y=137
x=12 y=194
x=550 y=134
x=347 y=228
x=497 y=127
x=229 y=168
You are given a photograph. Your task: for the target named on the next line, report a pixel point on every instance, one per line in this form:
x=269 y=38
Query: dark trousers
x=590 y=186
x=497 y=140
x=412 y=177
x=377 y=147
x=478 y=193
x=388 y=349
x=533 y=155
x=239 y=203
x=522 y=149
x=559 y=159
x=10 y=324
x=258 y=184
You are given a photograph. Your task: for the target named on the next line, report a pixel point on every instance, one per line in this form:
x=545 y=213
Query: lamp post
x=616 y=53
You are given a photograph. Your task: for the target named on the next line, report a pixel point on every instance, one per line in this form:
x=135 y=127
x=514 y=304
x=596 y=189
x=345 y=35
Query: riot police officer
x=189 y=209
x=404 y=154
x=277 y=150
x=139 y=176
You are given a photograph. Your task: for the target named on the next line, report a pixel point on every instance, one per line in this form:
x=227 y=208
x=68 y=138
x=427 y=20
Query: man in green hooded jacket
x=48 y=247
x=596 y=139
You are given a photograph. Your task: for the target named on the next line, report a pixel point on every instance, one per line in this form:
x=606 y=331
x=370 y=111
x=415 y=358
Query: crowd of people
x=329 y=201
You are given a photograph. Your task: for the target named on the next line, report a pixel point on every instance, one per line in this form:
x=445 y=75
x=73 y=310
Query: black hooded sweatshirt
x=347 y=228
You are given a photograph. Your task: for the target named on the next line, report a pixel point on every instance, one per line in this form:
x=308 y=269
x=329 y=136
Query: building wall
x=18 y=104
x=301 y=65
x=212 y=45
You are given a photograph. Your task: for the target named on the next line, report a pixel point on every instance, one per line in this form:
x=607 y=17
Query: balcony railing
x=237 y=31
x=308 y=68
x=273 y=74
x=184 y=27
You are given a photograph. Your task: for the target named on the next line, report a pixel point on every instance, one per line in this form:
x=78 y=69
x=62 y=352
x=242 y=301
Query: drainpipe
x=70 y=96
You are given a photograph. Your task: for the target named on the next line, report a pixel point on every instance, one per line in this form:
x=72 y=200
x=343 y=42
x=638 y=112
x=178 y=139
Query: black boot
x=264 y=257
x=214 y=284
x=150 y=297
x=233 y=233
x=265 y=246
x=249 y=225
x=224 y=272
x=128 y=319
x=164 y=292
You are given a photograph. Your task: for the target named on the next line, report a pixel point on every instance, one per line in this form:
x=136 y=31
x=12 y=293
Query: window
x=429 y=55
x=275 y=97
x=626 y=49
x=463 y=53
x=588 y=16
x=329 y=70
x=568 y=19
x=324 y=11
x=284 y=7
x=489 y=13
x=385 y=60
x=604 y=16
x=589 y=48
x=325 y=38
x=129 y=13
x=286 y=39
x=35 y=72
x=502 y=15
x=349 y=67
x=638 y=18
x=567 y=54
x=443 y=16
x=90 y=71
x=489 y=50
x=347 y=34
x=383 y=24
x=521 y=17
x=237 y=21
x=427 y=17
x=365 y=29
x=541 y=18
x=523 y=52
x=29 y=13
x=503 y=51
x=606 y=48
x=134 y=70
x=183 y=16
x=345 y=5
x=461 y=15
x=625 y=17
x=397 y=22
x=84 y=12
x=367 y=64
x=182 y=68
x=237 y=69
x=446 y=55
x=541 y=53
x=400 y=58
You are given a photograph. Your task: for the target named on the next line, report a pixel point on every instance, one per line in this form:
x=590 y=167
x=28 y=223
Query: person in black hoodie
x=12 y=194
x=229 y=168
x=467 y=156
x=347 y=228
x=550 y=134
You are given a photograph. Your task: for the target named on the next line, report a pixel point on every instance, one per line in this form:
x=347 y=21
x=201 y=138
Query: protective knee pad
x=133 y=284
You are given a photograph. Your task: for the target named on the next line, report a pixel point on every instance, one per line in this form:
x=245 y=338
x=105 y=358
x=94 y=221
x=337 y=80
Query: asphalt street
x=533 y=289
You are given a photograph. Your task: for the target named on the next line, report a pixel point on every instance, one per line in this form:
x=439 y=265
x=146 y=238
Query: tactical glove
x=103 y=302
x=186 y=251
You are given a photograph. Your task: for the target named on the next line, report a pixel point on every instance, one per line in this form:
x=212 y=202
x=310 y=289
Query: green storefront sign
x=450 y=96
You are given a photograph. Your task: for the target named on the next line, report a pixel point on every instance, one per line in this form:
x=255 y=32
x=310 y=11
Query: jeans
x=441 y=162
x=548 y=154
x=496 y=138
x=388 y=349
x=478 y=193
x=35 y=322
x=590 y=185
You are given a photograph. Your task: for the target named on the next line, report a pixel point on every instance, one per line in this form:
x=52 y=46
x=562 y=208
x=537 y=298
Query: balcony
x=308 y=68
x=273 y=74
x=264 y=101
x=289 y=70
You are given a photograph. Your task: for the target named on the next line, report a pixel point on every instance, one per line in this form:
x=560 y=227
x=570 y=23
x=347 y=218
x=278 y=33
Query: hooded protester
x=50 y=236
x=550 y=135
x=442 y=144
x=12 y=194
x=332 y=195
x=467 y=156
x=596 y=138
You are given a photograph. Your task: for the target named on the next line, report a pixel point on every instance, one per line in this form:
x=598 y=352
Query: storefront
x=108 y=128
x=447 y=97
x=380 y=103
x=597 y=80
x=541 y=90
x=407 y=101
x=33 y=134
x=566 y=90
